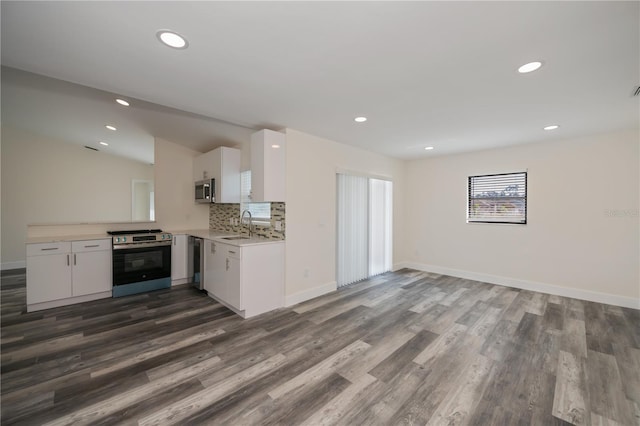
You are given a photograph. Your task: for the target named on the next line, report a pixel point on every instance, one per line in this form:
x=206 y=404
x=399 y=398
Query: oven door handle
x=140 y=245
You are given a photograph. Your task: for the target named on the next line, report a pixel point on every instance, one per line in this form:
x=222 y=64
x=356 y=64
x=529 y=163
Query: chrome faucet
x=250 y=221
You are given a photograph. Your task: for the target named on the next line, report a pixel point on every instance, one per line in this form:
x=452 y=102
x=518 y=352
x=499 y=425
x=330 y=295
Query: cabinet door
x=227 y=175
x=207 y=274
x=230 y=288
x=91 y=272
x=214 y=269
x=268 y=166
x=48 y=278
x=219 y=288
x=179 y=255
x=232 y=282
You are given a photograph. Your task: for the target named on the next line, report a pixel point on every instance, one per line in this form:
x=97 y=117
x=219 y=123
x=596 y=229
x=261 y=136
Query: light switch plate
x=278 y=225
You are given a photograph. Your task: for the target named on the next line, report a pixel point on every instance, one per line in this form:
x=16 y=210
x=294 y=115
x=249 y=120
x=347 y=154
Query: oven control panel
x=142 y=238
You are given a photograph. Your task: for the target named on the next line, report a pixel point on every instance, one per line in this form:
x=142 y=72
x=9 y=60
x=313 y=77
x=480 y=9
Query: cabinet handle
x=227 y=264
x=213 y=248
x=92 y=245
x=232 y=252
x=74 y=258
x=174 y=241
x=51 y=248
x=67 y=260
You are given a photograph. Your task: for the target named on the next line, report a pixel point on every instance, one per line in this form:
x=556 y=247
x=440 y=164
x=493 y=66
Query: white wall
x=312 y=163
x=175 y=206
x=582 y=236
x=49 y=181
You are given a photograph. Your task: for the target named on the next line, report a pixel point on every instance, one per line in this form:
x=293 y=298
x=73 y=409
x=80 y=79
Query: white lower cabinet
x=63 y=273
x=247 y=279
x=214 y=264
x=48 y=272
x=179 y=258
x=233 y=282
x=91 y=272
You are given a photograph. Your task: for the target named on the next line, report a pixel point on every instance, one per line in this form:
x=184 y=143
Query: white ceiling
x=424 y=73
x=78 y=114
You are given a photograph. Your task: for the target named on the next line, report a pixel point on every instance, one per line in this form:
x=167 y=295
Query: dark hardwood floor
x=401 y=348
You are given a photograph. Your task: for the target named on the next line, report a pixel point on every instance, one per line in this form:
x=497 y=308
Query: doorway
x=364 y=231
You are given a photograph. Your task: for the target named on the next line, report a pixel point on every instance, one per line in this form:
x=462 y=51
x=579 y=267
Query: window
x=500 y=198
x=259 y=211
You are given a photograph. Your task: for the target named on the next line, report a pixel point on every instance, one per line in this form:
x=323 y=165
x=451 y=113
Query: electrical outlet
x=306 y=273
x=230 y=221
x=237 y=221
x=278 y=225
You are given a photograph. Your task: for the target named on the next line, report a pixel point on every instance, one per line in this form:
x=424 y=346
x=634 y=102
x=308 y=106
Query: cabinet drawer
x=91 y=245
x=41 y=249
x=230 y=251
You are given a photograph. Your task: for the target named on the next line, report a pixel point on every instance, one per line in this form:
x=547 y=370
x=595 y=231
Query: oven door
x=143 y=262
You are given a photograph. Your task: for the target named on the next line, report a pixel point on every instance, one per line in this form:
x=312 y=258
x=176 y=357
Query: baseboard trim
x=180 y=281
x=13 y=265
x=576 y=293
x=312 y=293
x=399 y=265
x=70 y=301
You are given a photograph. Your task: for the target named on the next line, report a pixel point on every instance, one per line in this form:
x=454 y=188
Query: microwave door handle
x=207 y=191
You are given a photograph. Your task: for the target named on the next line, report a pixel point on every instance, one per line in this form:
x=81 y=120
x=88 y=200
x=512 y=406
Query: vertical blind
x=364 y=240
x=379 y=226
x=353 y=229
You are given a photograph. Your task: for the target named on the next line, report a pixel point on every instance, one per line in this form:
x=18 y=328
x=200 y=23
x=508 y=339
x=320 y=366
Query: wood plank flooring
x=406 y=348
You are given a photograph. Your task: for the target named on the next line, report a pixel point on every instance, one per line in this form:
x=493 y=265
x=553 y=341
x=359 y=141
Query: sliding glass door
x=364 y=240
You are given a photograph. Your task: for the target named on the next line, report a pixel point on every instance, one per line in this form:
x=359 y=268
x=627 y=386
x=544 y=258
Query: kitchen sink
x=237 y=237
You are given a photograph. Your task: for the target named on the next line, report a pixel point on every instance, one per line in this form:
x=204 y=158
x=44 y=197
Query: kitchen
x=244 y=272
x=494 y=323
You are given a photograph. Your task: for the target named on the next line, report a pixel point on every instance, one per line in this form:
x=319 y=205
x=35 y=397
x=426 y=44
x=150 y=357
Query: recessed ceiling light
x=122 y=102
x=428 y=148
x=110 y=127
x=172 y=39
x=104 y=143
x=531 y=66
x=360 y=119
x=275 y=146
x=553 y=127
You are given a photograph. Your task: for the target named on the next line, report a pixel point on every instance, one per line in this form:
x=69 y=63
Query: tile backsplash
x=219 y=215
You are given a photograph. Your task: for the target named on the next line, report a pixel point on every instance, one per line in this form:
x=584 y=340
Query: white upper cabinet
x=268 y=166
x=223 y=165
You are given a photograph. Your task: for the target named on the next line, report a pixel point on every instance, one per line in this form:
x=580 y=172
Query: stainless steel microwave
x=205 y=191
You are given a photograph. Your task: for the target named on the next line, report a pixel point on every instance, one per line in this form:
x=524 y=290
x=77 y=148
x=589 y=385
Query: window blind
x=364 y=228
x=380 y=224
x=498 y=198
x=258 y=210
x=353 y=229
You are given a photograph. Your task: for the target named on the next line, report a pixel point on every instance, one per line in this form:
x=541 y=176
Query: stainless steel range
x=141 y=261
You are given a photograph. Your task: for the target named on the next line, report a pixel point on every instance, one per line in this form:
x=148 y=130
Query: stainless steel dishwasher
x=196 y=262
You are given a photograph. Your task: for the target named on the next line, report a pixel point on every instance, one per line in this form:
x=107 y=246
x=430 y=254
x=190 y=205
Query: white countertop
x=200 y=233
x=67 y=238
x=218 y=236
